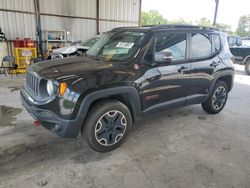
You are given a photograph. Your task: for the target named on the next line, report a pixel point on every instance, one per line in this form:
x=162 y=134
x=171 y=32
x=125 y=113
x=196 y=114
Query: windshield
x=246 y=43
x=90 y=42
x=119 y=46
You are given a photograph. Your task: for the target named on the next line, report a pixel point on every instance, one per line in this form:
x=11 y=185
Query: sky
x=229 y=11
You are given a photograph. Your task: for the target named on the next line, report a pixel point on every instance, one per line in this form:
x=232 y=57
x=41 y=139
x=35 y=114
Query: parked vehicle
x=234 y=41
x=240 y=52
x=127 y=74
x=74 y=50
x=246 y=41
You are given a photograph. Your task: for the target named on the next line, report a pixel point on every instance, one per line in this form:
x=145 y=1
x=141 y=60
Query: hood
x=84 y=73
x=70 y=49
x=72 y=67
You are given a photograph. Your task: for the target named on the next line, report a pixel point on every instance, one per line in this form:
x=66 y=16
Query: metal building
x=81 y=18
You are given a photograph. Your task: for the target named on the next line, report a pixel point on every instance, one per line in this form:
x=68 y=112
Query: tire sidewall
x=247 y=67
x=95 y=114
x=218 y=84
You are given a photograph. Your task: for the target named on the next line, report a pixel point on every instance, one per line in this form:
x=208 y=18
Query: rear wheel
x=247 y=67
x=217 y=100
x=107 y=125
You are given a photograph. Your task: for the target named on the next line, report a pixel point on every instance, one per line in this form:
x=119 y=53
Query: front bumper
x=62 y=127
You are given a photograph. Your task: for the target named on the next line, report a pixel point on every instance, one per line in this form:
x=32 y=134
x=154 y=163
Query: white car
x=74 y=50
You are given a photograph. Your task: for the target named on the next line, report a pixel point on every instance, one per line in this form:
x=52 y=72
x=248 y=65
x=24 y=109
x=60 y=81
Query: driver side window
x=168 y=42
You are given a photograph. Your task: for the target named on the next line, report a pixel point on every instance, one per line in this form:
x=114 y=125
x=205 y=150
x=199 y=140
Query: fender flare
x=132 y=92
x=229 y=72
x=245 y=59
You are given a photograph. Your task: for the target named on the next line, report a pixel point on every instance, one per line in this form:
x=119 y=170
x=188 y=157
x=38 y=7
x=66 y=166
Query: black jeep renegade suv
x=129 y=73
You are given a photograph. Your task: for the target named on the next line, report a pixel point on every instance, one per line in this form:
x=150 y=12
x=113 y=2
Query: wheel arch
x=246 y=59
x=227 y=76
x=128 y=95
x=125 y=98
x=228 y=79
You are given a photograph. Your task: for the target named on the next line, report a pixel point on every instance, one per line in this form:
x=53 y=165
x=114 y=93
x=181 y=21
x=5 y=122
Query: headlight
x=50 y=88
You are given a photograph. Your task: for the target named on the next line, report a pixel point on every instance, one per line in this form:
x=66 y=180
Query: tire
x=107 y=125
x=247 y=67
x=217 y=99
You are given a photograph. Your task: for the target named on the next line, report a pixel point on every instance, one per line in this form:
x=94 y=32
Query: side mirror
x=163 y=57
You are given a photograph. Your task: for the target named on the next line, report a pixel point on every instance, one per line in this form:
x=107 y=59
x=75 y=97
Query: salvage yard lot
x=184 y=147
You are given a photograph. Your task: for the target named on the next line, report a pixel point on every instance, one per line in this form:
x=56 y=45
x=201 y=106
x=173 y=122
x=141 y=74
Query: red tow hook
x=37 y=123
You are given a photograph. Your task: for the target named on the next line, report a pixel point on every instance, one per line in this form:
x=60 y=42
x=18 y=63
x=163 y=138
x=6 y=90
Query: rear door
x=204 y=62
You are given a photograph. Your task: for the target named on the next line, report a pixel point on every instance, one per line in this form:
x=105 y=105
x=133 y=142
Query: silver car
x=74 y=50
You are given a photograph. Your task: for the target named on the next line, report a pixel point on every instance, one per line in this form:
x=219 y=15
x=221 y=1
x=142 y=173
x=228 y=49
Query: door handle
x=182 y=69
x=214 y=64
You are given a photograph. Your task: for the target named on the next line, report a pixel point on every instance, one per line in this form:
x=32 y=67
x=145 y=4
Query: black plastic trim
x=71 y=128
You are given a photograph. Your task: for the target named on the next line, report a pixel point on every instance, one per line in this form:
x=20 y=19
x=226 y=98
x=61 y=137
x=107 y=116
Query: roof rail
x=121 y=28
x=162 y=26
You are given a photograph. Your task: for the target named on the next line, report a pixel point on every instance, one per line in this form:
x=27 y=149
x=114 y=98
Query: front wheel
x=247 y=67
x=217 y=99
x=107 y=125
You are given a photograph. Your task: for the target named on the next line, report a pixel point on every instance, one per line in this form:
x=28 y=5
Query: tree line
x=153 y=17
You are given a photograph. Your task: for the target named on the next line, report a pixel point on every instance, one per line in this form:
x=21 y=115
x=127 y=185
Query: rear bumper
x=62 y=127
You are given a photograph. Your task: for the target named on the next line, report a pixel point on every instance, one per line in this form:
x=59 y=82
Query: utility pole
x=215 y=12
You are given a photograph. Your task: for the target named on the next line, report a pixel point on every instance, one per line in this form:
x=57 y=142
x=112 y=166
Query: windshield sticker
x=125 y=45
x=115 y=51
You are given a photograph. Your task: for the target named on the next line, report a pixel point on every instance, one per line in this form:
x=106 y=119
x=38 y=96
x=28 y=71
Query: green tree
x=244 y=26
x=152 y=17
x=179 y=21
x=224 y=28
x=204 y=22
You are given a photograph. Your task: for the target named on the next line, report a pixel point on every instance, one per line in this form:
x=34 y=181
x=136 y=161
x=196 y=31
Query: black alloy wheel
x=217 y=99
x=107 y=125
x=110 y=128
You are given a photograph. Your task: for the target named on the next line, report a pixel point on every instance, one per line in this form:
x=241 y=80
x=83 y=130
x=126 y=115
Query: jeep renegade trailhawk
x=129 y=73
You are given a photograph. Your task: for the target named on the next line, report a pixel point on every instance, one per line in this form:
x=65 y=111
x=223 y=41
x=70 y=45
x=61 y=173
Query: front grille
x=32 y=82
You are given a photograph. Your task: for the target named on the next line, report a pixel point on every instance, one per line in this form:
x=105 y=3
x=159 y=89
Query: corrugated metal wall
x=77 y=8
x=108 y=25
x=75 y=20
x=79 y=17
x=118 y=13
x=20 y=5
x=18 y=25
x=80 y=29
x=15 y=24
x=122 y=10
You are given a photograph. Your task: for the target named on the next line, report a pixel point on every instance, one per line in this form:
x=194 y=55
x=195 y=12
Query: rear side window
x=201 y=45
x=224 y=43
x=215 y=43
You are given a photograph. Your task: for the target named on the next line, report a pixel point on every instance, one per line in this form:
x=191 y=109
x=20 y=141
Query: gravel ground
x=179 y=148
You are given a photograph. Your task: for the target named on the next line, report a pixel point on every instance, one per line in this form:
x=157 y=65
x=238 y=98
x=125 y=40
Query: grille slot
x=32 y=83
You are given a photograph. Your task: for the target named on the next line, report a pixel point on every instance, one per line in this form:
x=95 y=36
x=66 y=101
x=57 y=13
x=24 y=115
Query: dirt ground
x=179 y=148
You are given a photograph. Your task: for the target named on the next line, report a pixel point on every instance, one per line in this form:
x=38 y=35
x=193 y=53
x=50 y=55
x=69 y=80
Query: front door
x=165 y=85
